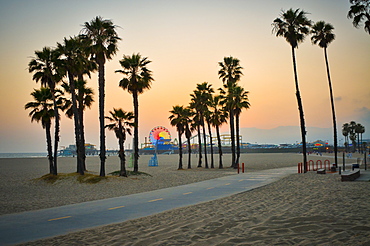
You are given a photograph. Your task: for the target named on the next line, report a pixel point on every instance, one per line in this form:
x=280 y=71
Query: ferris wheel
x=159 y=133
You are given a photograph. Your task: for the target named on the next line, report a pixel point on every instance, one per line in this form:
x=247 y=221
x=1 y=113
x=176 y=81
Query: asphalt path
x=38 y=224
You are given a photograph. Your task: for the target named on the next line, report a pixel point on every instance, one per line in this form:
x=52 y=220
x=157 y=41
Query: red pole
x=319 y=161
x=238 y=169
x=311 y=164
x=300 y=167
x=243 y=167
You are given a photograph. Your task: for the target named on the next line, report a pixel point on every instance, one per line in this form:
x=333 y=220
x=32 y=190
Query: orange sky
x=185 y=40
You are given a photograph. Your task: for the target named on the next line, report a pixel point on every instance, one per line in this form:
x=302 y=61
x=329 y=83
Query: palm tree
x=195 y=106
x=359 y=130
x=137 y=78
x=293 y=25
x=85 y=99
x=121 y=124
x=187 y=114
x=46 y=70
x=73 y=60
x=345 y=132
x=230 y=73
x=360 y=12
x=178 y=120
x=198 y=103
x=352 y=134
x=43 y=110
x=241 y=102
x=103 y=46
x=322 y=35
x=219 y=117
x=204 y=92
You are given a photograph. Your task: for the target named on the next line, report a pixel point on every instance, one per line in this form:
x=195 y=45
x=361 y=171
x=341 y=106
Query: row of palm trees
x=207 y=111
x=353 y=131
x=294 y=26
x=68 y=64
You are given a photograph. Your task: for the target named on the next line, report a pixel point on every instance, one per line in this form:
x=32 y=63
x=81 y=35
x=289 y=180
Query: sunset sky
x=185 y=40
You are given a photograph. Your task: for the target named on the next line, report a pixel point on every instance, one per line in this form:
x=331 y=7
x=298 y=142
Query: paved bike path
x=38 y=224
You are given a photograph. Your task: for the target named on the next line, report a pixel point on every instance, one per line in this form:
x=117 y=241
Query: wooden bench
x=351 y=175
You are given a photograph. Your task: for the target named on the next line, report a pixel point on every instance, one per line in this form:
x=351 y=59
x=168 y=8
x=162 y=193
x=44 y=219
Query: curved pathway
x=38 y=224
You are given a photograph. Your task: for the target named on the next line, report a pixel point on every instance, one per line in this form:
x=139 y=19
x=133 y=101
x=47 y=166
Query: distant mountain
x=286 y=134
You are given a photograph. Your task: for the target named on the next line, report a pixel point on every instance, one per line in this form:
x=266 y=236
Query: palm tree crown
x=230 y=71
x=42 y=106
x=121 y=122
x=103 y=37
x=322 y=34
x=293 y=25
x=137 y=76
x=360 y=12
x=45 y=68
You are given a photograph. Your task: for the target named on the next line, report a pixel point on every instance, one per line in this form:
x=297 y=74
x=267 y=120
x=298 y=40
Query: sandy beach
x=302 y=209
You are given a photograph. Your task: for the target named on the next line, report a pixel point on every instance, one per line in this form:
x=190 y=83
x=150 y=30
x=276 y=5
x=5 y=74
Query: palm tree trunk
x=76 y=117
x=199 y=147
x=82 y=127
x=101 y=117
x=82 y=132
x=232 y=132
x=220 y=165
x=332 y=109
x=237 y=139
x=189 y=152
x=49 y=148
x=136 y=131
x=56 y=133
x=205 y=144
x=121 y=154
x=211 y=143
x=180 y=149
x=301 y=115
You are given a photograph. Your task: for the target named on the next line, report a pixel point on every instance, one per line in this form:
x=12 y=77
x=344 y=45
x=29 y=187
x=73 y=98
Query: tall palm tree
x=293 y=25
x=121 y=123
x=178 y=120
x=85 y=99
x=195 y=107
x=73 y=59
x=353 y=134
x=230 y=73
x=219 y=117
x=45 y=68
x=322 y=34
x=345 y=132
x=198 y=103
x=103 y=46
x=360 y=12
x=241 y=102
x=205 y=91
x=187 y=114
x=137 y=78
x=359 y=130
x=43 y=110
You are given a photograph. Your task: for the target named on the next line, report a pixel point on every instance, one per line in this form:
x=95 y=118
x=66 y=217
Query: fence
x=312 y=167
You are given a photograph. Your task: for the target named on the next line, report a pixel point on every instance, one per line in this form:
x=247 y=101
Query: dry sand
x=302 y=209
